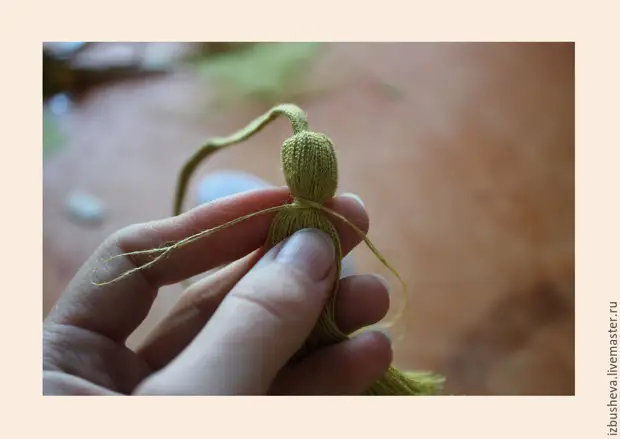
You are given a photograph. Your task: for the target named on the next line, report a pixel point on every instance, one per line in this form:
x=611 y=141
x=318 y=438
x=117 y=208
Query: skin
x=235 y=330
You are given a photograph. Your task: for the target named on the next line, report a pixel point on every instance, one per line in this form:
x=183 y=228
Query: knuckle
x=282 y=291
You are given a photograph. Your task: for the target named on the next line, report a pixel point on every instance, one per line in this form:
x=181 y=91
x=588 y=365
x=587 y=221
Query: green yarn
x=311 y=173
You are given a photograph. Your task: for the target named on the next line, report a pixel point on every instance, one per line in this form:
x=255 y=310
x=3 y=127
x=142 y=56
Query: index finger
x=116 y=309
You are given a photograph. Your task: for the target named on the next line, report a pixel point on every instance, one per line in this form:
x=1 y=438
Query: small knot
x=310 y=166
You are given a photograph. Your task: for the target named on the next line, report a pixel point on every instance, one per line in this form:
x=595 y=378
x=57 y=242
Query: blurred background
x=462 y=152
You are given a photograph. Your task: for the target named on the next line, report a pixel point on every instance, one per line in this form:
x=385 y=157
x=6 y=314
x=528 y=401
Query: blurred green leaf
x=268 y=71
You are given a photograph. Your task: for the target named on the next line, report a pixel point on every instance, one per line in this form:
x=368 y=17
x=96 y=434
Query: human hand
x=232 y=332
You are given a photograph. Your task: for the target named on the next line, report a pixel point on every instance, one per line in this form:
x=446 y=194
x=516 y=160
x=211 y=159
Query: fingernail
x=382 y=280
x=355 y=197
x=310 y=251
x=385 y=334
x=374 y=332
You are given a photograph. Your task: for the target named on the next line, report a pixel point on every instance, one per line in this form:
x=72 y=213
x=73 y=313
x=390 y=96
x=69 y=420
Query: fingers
x=189 y=315
x=228 y=244
x=362 y=300
x=258 y=326
x=116 y=309
x=347 y=368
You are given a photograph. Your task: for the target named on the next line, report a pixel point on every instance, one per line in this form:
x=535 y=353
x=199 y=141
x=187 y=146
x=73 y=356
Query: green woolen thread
x=311 y=172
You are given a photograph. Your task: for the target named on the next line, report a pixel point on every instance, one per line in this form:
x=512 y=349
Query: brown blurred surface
x=467 y=172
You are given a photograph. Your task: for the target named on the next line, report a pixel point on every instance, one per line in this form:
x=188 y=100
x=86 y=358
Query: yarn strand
x=165 y=250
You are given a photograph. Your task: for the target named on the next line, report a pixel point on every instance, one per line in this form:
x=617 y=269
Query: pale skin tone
x=235 y=330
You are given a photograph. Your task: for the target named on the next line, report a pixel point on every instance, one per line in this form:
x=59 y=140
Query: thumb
x=260 y=324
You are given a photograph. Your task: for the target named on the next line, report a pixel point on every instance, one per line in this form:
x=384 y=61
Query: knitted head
x=310 y=166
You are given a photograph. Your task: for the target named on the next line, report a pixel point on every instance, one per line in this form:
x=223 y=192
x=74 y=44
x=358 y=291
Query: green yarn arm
x=295 y=114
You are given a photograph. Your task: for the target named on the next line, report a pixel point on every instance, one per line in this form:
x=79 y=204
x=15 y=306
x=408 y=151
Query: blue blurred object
x=66 y=48
x=59 y=104
x=224 y=183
